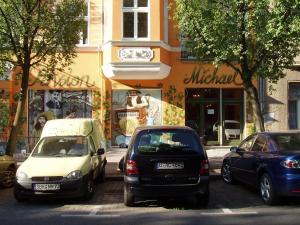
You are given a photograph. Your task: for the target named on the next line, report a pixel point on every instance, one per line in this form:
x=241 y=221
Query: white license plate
x=170 y=166
x=46 y=187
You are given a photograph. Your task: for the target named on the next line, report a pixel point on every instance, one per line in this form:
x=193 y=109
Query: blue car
x=269 y=161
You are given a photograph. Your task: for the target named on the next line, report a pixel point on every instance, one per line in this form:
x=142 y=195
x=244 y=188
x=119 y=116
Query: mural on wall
x=133 y=108
x=55 y=104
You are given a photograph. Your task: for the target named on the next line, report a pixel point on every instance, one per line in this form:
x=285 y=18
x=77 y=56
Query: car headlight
x=74 y=175
x=22 y=176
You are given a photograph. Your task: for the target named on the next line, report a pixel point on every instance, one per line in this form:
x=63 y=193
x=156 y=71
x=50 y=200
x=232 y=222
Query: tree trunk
x=257 y=114
x=12 y=141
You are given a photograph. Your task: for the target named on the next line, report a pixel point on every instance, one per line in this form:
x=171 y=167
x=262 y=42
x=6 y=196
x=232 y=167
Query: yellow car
x=66 y=161
x=7 y=168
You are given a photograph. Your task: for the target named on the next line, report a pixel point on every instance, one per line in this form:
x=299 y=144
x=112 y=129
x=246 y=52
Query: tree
x=257 y=38
x=37 y=34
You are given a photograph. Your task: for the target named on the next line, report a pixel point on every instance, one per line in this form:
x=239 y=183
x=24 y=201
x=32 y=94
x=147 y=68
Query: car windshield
x=287 y=142
x=61 y=147
x=230 y=125
x=167 y=142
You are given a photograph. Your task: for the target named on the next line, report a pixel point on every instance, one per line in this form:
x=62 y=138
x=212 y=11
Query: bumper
x=68 y=189
x=168 y=190
x=288 y=185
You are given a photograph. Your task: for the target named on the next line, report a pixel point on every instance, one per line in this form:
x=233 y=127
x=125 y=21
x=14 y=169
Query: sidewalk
x=215 y=156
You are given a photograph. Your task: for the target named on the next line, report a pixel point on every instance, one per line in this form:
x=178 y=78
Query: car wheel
x=89 y=188
x=128 y=198
x=18 y=196
x=8 y=177
x=101 y=176
x=203 y=199
x=226 y=173
x=267 y=192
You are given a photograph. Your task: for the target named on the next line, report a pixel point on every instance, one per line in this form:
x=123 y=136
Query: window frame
x=87 y=20
x=135 y=10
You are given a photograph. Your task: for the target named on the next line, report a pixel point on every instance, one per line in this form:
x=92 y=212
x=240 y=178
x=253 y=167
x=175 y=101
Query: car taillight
x=204 y=170
x=131 y=168
x=291 y=164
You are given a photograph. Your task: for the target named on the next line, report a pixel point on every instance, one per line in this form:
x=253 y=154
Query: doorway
x=205 y=108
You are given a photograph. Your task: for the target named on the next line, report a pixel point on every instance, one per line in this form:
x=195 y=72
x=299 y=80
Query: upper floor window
x=84 y=33
x=135 y=19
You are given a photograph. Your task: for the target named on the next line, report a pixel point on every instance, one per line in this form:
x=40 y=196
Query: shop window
x=56 y=104
x=84 y=33
x=294 y=105
x=135 y=19
x=232 y=94
x=203 y=93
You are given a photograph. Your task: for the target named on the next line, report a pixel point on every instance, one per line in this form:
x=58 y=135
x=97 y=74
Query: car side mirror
x=237 y=150
x=100 y=151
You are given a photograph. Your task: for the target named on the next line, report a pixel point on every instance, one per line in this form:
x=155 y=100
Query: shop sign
x=64 y=81
x=135 y=54
x=202 y=76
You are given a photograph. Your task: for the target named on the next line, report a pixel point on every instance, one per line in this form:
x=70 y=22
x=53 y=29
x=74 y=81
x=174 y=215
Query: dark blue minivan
x=269 y=161
x=165 y=161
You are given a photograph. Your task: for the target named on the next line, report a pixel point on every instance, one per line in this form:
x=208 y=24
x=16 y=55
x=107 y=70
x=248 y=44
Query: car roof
x=164 y=127
x=68 y=127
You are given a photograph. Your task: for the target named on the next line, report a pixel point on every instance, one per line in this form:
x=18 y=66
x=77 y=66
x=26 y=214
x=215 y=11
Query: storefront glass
x=55 y=104
x=133 y=108
x=203 y=113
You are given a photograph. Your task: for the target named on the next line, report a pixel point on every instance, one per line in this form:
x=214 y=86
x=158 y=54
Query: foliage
x=4 y=116
x=257 y=38
x=40 y=35
x=174 y=113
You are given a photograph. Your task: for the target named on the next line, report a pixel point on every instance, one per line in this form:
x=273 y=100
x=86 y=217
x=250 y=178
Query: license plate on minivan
x=170 y=166
x=46 y=187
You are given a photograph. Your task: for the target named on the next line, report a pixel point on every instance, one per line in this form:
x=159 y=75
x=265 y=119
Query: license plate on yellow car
x=46 y=187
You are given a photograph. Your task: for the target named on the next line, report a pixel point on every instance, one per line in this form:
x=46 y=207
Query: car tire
x=226 y=173
x=9 y=177
x=128 y=198
x=101 y=176
x=89 y=188
x=18 y=196
x=266 y=189
x=203 y=199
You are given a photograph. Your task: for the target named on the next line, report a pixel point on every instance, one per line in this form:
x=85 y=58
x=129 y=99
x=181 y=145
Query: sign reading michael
x=133 y=108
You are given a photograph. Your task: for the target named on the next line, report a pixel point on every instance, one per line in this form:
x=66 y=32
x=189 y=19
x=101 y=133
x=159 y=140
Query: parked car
x=268 y=161
x=65 y=162
x=165 y=161
x=232 y=129
x=7 y=167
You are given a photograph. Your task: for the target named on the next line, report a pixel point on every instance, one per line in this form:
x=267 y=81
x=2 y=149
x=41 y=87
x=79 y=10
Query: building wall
x=276 y=102
x=167 y=71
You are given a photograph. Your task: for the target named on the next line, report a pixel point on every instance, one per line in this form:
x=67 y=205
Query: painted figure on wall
x=133 y=108
x=54 y=102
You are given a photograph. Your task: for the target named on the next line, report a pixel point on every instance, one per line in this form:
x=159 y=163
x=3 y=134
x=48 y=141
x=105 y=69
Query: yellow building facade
x=132 y=71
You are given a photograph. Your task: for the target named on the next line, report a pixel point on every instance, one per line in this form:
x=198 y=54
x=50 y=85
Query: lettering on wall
x=64 y=81
x=202 y=76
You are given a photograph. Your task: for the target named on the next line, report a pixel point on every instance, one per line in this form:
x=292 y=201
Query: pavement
x=114 y=154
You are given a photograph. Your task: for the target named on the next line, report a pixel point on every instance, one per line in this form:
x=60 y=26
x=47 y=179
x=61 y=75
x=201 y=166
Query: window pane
x=128 y=3
x=128 y=25
x=142 y=3
x=142 y=24
x=84 y=34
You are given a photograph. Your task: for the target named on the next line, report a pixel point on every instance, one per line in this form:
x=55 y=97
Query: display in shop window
x=133 y=108
x=55 y=104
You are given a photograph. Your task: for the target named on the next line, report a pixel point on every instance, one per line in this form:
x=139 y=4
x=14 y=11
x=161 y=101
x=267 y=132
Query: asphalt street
x=229 y=204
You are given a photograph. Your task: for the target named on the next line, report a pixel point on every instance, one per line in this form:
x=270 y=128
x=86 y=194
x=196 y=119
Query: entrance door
x=209 y=121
